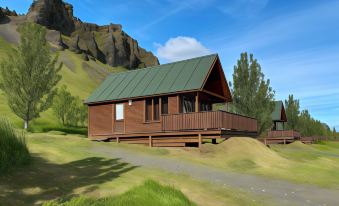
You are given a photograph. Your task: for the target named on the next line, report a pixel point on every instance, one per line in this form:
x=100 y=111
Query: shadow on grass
x=43 y=180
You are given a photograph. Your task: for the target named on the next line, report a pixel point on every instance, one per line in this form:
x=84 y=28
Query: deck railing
x=283 y=133
x=208 y=120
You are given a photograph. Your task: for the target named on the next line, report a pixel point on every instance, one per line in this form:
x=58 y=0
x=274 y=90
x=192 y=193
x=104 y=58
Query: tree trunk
x=26 y=125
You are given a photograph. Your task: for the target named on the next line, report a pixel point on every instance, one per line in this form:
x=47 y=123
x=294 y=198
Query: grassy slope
x=63 y=167
x=150 y=193
x=79 y=82
x=316 y=164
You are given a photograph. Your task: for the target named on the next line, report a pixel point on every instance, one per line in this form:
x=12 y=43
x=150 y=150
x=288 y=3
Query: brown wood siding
x=283 y=133
x=100 y=120
x=208 y=120
x=135 y=120
x=173 y=107
x=119 y=126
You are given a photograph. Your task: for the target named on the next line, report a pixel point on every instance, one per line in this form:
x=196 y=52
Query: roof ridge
x=153 y=67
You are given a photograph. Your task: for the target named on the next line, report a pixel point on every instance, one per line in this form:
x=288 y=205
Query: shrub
x=13 y=149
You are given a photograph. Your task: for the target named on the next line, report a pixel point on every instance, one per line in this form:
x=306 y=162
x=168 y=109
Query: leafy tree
x=292 y=112
x=304 y=124
x=334 y=133
x=61 y=105
x=69 y=109
x=252 y=94
x=29 y=74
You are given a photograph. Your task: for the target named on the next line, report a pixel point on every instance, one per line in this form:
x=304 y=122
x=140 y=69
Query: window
x=153 y=108
x=119 y=111
x=156 y=115
x=187 y=103
x=148 y=110
x=205 y=106
x=164 y=105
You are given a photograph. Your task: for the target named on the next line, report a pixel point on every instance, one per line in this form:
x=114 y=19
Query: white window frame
x=119 y=111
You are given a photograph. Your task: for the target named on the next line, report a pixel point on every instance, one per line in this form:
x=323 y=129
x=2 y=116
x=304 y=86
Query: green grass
x=150 y=193
x=79 y=82
x=63 y=167
x=316 y=164
x=13 y=149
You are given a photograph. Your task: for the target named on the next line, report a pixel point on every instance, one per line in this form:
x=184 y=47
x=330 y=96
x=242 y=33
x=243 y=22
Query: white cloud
x=180 y=48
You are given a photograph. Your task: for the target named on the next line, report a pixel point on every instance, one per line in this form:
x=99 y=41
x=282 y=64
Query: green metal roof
x=162 y=79
x=276 y=114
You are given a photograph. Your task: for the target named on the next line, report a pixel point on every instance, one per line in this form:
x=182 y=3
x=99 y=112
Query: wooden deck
x=283 y=134
x=219 y=120
x=280 y=137
x=189 y=129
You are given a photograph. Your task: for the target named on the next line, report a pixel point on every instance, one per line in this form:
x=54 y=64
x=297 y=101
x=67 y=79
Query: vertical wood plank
x=150 y=141
x=199 y=140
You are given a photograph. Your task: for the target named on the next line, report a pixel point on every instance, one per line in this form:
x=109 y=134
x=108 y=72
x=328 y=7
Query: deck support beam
x=150 y=141
x=118 y=140
x=199 y=140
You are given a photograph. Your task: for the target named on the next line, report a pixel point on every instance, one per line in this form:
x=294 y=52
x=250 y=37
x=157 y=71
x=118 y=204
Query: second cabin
x=174 y=104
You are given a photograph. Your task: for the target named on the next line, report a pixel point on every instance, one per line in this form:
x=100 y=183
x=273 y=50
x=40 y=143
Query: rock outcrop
x=53 y=14
x=2 y=15
x=7 y=12
x=109 y=44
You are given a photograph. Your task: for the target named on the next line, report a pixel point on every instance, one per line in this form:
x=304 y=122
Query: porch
x=280 y=137
x=208 y=120
x=192 y=129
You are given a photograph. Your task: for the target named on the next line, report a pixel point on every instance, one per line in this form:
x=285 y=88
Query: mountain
x=88 y=52
x=108 y=44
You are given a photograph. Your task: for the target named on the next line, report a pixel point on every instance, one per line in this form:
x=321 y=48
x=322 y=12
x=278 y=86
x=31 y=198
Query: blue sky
x=296 y=42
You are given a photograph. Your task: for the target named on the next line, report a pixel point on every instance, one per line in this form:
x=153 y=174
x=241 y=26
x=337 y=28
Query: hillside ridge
x=108 y=43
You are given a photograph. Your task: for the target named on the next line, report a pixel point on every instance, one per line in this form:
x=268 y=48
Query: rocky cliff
x=109 y=44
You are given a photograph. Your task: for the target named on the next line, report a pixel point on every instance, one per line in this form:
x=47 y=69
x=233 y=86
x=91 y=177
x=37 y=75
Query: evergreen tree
x=292 y=112
x=252 y=94
x=29 y=74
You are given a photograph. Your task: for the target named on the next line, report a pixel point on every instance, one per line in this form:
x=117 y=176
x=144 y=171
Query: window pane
x=188 y=103
x=156 y=109
x=148 y=110
x=164 y=105
x=119 y=111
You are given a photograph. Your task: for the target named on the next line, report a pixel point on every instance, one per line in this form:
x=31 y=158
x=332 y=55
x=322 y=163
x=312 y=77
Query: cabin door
x=119 y=124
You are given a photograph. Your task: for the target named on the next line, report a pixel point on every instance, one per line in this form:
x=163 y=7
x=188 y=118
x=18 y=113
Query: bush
x=150 y=193
x=67 y=130
x=13 y=148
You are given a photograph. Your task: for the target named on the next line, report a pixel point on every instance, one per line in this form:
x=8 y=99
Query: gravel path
x=281 y=192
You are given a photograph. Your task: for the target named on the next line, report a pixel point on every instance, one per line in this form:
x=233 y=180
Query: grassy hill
x=81 y=78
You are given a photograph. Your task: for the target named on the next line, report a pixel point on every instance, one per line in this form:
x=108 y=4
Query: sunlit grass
x=63 y=167
x=316 y=164
x=13 y=149
x=149 y=193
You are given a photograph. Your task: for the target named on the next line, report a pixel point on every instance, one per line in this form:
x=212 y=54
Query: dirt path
x=281 y=192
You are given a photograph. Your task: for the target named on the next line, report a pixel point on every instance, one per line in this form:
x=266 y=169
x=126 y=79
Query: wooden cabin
x=279 y=116
x=278 y=133
x=166 y=105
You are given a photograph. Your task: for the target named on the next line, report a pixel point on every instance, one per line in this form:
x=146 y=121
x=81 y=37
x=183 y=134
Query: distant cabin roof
x=174 y=77
x=278 y=113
